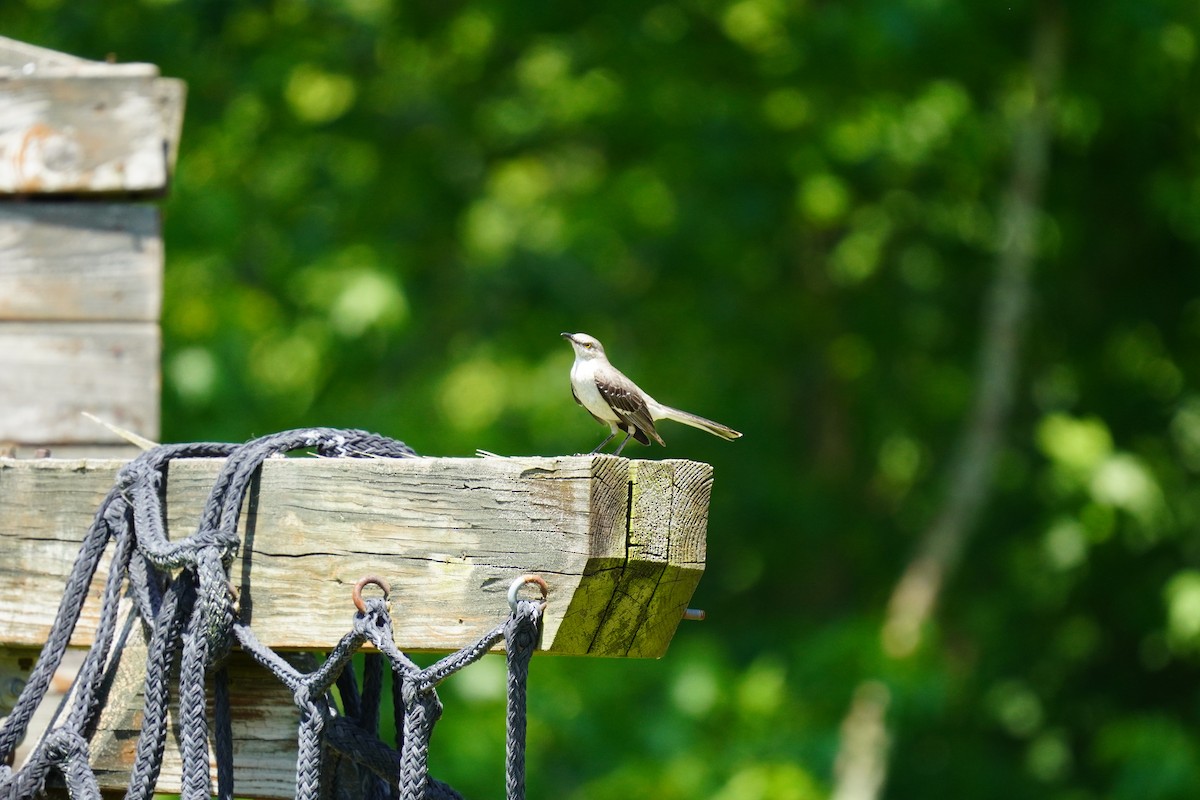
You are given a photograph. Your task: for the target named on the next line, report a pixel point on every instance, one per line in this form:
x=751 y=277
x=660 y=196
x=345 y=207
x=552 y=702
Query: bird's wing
x=628 y=401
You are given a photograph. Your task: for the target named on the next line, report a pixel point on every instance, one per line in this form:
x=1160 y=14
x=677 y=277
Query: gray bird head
x=586 y=347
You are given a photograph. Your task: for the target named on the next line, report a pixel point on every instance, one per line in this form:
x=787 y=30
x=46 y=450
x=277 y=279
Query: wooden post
x=81 y=268
x=83 y=147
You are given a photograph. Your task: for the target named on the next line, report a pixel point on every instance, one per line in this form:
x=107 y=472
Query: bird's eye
x=588 y=345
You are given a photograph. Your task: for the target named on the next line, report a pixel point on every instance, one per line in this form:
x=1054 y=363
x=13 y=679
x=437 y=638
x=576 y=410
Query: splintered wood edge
x=607 y=553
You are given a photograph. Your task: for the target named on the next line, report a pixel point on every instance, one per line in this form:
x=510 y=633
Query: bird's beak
x=570 y=337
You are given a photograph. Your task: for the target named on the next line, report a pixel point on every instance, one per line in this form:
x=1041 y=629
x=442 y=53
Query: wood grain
x=51 y=372
x=449 y=534
x=80 y=261
x=95 y=130
x=620 y=542
x=686 y=520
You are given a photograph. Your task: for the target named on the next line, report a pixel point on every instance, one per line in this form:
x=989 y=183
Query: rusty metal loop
x=536 y=580
x=356 y=595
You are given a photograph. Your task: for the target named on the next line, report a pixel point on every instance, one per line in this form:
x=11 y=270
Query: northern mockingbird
x=615 y=401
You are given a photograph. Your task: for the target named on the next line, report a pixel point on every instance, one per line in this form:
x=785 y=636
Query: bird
x=614 y=400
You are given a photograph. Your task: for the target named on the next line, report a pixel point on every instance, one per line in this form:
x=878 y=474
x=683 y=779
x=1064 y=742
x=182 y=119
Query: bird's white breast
x=583 y=381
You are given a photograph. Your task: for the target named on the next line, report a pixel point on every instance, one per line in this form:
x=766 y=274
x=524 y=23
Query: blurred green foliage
x=384 y=212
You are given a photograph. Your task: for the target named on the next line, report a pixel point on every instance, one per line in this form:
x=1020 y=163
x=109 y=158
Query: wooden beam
x=87 y=129
x=620 y=543
x=29 y=58
x=54 y=371
x=80 y=262
x=450 y=534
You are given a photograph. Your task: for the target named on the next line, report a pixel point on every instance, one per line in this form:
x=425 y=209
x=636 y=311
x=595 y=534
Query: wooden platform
x=620 y=542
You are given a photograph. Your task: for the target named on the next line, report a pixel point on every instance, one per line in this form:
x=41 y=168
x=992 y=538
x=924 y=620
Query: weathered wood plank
x=54 y=371
x=28 y=58
x=80 y=261
x=103 y=129
x=449 y=534
x=104 y=452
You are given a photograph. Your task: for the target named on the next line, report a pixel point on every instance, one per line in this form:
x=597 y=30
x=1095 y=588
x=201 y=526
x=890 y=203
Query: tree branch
x=861 y=766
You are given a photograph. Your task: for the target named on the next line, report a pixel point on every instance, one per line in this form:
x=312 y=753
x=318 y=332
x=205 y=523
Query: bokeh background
x=788 y=215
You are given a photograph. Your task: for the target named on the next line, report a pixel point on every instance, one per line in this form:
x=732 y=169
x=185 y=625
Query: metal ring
x=356 y=595
x=521 y=581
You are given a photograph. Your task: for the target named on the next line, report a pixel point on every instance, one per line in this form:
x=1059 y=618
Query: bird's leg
x=621 y=446
x=600 y=446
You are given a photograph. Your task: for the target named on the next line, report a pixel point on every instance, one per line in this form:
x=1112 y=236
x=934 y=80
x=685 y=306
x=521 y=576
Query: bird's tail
x=715 y=428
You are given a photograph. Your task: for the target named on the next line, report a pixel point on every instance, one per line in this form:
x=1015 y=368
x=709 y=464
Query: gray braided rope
x=521 y=635
x=95 y=540
x=182 y=595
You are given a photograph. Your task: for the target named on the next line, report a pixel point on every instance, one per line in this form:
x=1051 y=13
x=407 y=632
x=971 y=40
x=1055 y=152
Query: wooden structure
x=83 y=146
x=621 y=543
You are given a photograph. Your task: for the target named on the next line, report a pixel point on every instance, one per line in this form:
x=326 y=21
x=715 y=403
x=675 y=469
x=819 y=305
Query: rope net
x=188 y=613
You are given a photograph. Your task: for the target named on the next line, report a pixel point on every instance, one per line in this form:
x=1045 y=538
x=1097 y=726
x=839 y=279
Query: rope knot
x=216 y=603
x=225 y=542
